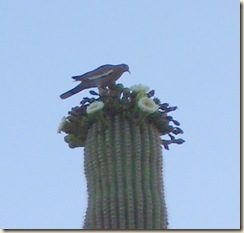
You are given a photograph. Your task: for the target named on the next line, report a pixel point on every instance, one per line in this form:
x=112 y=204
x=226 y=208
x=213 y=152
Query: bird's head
x=125 y=68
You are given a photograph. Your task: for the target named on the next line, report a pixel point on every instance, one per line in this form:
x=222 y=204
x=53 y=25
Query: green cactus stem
x=123 y=168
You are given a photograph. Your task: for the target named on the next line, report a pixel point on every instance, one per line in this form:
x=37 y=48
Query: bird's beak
x=129 y=71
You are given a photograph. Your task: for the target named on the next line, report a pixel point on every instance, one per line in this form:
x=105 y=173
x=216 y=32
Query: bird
x=101 y=77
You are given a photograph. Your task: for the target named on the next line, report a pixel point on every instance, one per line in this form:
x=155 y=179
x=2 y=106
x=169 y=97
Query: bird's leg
x=113 y=90
x=102 y=91
x=112 y=86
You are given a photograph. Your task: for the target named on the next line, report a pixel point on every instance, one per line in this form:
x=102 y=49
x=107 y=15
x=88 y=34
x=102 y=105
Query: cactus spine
x=123 y=168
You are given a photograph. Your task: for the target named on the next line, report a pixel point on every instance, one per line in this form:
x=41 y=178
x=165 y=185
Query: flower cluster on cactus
x=136 y=103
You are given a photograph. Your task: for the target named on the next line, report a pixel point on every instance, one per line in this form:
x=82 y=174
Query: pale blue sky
x=188 y=51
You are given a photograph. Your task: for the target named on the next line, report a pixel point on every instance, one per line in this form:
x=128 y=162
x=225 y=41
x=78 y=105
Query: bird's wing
x=100 y=72
x=102 y=75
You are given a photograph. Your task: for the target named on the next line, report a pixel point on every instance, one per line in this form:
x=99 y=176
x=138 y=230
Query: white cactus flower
x=139 y=87
x=61 y=125
x=94 y=107
x=147 y=105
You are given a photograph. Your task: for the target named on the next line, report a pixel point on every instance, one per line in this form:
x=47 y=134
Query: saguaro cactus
x=120 y=132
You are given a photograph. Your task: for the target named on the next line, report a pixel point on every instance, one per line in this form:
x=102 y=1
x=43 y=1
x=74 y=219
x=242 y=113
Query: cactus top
x=136 y=103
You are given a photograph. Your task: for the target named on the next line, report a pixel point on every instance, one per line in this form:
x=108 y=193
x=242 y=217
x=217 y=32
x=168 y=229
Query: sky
x=187 y=51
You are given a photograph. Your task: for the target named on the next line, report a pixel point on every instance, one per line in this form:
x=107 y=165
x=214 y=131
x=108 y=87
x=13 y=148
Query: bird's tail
x=73 y=91
x=77 y=78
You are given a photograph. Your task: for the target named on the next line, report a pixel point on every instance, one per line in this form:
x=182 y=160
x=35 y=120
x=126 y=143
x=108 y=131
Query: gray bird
x=101 y=77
